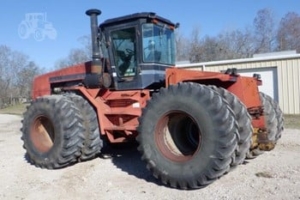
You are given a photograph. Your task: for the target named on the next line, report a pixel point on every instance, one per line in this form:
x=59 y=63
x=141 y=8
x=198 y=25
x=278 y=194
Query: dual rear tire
x=244 y=122
x=52 y=132
x=59 y=131
x=92 y=144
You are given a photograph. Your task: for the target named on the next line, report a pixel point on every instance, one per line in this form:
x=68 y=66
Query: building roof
x=268 y=57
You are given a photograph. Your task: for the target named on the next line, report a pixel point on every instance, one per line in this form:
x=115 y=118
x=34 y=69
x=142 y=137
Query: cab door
x=124 y=51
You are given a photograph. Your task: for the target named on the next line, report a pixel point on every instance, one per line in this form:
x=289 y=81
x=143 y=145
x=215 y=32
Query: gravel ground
x=273 y=175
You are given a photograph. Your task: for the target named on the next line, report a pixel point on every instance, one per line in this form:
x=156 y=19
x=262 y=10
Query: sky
x=70 y=22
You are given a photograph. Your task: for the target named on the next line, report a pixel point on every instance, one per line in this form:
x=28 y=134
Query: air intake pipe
x=96 y=57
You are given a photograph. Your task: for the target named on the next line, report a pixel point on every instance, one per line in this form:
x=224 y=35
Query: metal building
x=280 y=74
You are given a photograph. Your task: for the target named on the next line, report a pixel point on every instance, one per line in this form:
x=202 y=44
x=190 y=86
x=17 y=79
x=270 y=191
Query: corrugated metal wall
x=288 y=71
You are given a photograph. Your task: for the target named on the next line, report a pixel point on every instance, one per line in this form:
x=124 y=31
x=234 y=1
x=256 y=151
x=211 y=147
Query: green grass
x=292 y=121
x=18 y=109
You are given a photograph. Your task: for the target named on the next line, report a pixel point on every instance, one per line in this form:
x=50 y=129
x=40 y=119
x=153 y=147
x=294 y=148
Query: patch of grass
x=18 y=109
x=292 y=121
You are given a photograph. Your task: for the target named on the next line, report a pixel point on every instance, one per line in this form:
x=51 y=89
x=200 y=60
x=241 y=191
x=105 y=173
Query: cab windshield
x=158 y=44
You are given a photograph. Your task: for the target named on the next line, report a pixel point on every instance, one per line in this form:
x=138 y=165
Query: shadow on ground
x=128 y=159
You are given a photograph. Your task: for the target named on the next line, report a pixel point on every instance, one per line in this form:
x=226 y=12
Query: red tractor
x=191 y=126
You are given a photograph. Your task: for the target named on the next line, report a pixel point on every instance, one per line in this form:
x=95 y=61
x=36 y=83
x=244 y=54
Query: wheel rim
x=39 y=35
x=42 y=134
x=177 y=136
x=22 y=31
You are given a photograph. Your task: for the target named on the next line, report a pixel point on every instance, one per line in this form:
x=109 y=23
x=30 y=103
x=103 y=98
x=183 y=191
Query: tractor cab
x=139 y=48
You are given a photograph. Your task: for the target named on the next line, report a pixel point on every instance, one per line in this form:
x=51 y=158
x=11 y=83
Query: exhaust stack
x=96 y=62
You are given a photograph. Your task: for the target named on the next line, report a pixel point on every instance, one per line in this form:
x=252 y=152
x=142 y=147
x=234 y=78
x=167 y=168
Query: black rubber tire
x=211 y=157
x=270 y=116
x=92 y=143
x=52 y=119
x=244 y=121
x=279 y=115
x=280 y=120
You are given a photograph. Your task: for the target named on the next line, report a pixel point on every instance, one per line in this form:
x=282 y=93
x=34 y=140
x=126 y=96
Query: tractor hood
x=44 y=84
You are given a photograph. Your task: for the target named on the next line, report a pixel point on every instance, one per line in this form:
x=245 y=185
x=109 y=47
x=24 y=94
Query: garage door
x=269 y=78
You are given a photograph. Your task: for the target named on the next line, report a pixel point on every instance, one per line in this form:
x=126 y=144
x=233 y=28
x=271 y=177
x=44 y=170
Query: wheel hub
x=178 y=136
x=42 y=134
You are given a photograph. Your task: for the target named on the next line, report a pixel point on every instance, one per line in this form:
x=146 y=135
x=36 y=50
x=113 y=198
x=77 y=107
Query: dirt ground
x=273 y=175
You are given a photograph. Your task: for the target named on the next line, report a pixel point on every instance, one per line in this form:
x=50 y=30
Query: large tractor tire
x=92 y=143
x=187 y=135
x=270 y=115
x=52 y=132
x=278 y=113
x=244 y=124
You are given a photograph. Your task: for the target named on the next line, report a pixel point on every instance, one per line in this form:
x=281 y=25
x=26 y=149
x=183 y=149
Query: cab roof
x=135 y=16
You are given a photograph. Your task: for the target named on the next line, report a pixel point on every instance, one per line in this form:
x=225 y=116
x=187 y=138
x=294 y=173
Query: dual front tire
x=191 y=134
x=188 y=135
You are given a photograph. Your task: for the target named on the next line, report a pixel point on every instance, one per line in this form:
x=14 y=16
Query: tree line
x=266 y=34
x=16 y=75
